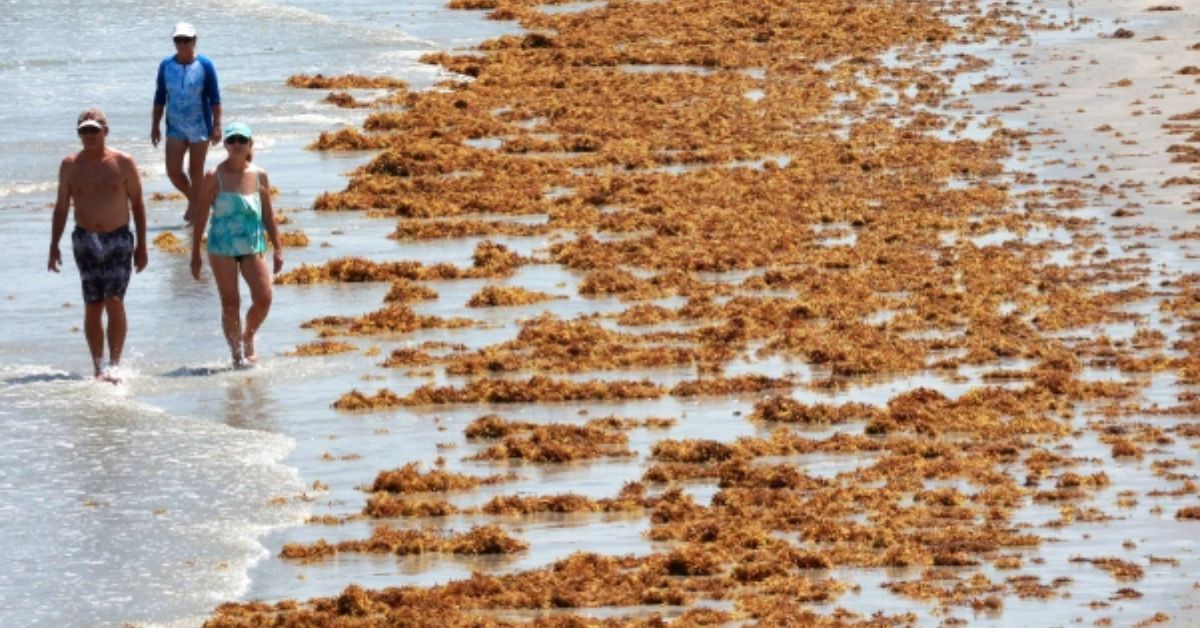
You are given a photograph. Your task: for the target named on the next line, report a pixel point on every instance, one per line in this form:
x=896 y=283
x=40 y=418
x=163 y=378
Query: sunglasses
x=88 y=130
x=184 y=40
x=237 y=139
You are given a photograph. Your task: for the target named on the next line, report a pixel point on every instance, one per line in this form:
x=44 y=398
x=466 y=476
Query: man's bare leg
x=197 y=152
x=225 y=272
x=258 y=278
x=115 y=308
x=174 y=155
x=93 y=329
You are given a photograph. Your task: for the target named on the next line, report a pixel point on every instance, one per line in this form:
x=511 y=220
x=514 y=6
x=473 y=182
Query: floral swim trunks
x=105 y=262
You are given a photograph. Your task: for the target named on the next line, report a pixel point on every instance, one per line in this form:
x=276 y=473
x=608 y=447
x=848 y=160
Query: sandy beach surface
x=1099 y=195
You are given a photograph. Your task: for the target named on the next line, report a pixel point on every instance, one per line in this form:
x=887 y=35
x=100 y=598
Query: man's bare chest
x=95 y=179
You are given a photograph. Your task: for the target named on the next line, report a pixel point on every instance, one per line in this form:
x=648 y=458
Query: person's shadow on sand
x=201 y=371
x=44 y=377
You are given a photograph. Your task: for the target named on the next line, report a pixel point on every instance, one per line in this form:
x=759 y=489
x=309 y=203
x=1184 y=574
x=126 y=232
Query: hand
x=56 y=259
x=155 y=136
x=139 y=258
x=214 y=138
x=196 y=267
x=278 y=261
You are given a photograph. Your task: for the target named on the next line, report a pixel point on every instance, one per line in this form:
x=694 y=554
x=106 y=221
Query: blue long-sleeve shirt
x=189 y=92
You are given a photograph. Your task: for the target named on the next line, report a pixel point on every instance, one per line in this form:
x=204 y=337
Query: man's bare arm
x=133 y=187
x=62 y=207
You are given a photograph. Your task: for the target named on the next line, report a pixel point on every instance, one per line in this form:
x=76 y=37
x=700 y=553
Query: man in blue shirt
x=188 y=93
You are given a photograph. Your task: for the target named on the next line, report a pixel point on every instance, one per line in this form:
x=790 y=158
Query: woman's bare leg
x=225 y=272
x=258 y=278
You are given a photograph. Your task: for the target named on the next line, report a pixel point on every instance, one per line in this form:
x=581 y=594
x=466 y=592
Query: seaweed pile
x=723 y=153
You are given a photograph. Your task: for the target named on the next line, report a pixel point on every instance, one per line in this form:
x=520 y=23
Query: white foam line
x=281 y=12
x=27 y=188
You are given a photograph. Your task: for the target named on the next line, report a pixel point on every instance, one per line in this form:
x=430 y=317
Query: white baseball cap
x=91 y=117
x=184 y=29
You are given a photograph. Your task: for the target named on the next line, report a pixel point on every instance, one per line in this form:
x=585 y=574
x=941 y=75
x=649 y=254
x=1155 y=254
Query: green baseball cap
x=237 y=128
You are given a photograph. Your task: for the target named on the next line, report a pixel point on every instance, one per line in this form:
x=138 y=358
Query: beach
x=940 y=374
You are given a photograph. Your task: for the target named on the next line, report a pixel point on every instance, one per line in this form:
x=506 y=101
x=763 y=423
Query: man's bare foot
x=112 y=375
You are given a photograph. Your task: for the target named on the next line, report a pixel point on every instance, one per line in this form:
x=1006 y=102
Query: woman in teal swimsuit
x=238 y=194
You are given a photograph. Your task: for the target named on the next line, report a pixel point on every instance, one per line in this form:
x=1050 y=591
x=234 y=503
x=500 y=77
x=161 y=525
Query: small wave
x=280 y=12
x=307 y=118
x=13 y=189
x=211 y=487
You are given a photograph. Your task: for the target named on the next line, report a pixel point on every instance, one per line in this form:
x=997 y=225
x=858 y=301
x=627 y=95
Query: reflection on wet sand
x=250 y=404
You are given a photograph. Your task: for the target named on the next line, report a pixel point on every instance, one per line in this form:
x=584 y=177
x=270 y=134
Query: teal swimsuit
x=236 y=229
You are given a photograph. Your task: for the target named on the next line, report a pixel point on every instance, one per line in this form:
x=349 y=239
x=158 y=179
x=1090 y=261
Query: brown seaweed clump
x=491 y=260
x=395 y=318
x=580 y=580
x=552 y=345
x=355 y=400
x=344 y=100
x=495 y=296
x=294 y=239
x=730 y=385
x=632 y=498
x=322 y=347
x=404 y=291
x=388 y=505
x=1118 y=568
x=1189 y=512
x=408 y=358
x=344 y=81
x=552 y=442
x=535 y=389
x=168 y=242
x=409 y=479
x=788 y=410
x=463 y=228
x=388 y=540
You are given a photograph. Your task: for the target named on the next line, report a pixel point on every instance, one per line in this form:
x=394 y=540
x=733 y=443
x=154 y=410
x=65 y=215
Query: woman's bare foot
x=248 y=349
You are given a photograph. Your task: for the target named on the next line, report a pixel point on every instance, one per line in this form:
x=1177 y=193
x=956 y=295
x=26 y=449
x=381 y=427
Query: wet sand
x=1066 y=83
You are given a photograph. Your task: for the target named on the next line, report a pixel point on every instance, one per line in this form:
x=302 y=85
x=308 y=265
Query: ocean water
x=147 y=501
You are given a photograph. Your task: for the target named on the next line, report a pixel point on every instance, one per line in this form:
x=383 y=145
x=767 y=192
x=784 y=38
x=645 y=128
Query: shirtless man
x=103 y=185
